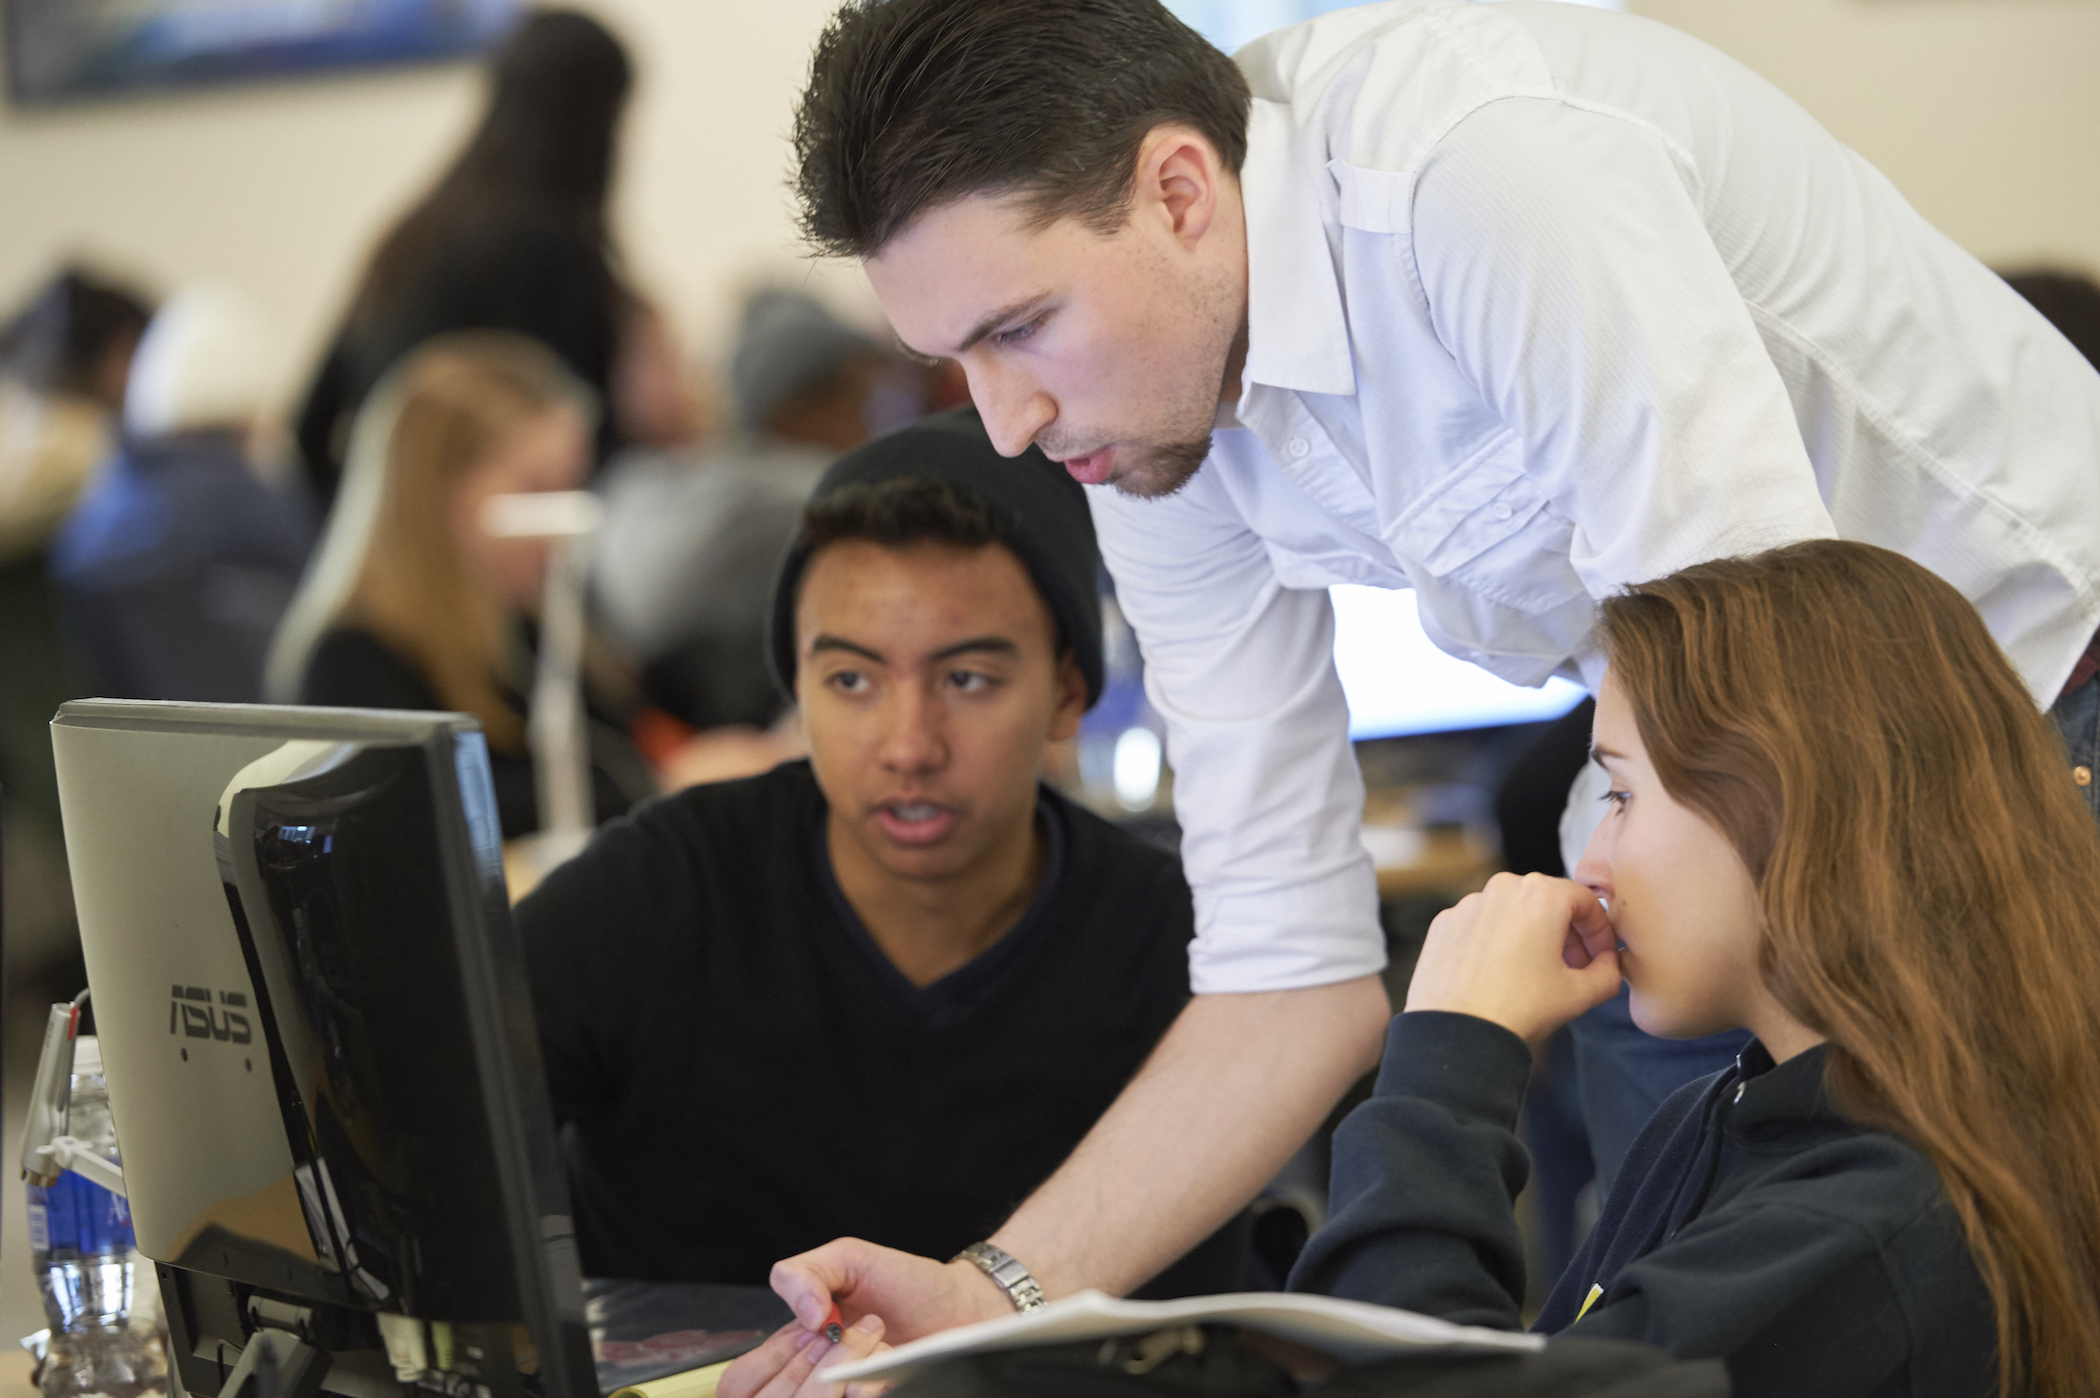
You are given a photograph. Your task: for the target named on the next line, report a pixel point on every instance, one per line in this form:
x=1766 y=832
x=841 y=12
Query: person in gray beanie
x=883 y=991
x=686 y=556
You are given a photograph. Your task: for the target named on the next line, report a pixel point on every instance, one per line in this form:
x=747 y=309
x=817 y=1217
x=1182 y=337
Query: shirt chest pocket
x=1491 y=529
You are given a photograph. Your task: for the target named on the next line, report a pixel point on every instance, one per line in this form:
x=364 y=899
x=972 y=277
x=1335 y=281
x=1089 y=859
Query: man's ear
x=1179 y=174
x=1071 y=697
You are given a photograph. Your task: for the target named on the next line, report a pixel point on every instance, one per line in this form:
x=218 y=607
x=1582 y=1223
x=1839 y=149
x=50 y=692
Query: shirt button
x=2082 y=775
x=1502 y=512
x=1299 y=446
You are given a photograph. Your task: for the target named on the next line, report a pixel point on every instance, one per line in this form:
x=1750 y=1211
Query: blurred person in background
x=411 y=603
x=177 y=562
x=2069 y=301
x=514 y=236
x=63 y=362
x=684 y=567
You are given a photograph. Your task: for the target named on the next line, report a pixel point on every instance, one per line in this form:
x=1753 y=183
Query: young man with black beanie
x=885 y=991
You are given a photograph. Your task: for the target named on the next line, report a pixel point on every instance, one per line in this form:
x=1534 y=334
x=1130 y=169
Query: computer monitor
x=1399 y=684
x=320 y=1049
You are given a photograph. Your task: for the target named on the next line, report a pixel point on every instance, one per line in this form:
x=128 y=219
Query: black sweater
x=742 y=1075
x=353 y=669
x=1750 y=1222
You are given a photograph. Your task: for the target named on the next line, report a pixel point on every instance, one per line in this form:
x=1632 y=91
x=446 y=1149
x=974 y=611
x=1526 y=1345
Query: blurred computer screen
x=1399 y=683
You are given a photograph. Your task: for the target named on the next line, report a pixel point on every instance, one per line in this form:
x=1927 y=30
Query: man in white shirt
x=1512 y=305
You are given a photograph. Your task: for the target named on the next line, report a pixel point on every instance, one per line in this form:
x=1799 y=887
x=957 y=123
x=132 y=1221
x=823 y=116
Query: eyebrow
x=1598 y=755
x=830 y=642
x=1011 y=311
x=998 y=644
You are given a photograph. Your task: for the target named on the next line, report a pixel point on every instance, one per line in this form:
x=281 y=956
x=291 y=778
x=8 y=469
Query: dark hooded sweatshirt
x=1751 y=1222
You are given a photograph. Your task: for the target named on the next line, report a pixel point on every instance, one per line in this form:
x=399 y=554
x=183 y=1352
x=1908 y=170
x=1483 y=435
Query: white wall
x=280 y=188
x=1986 y=112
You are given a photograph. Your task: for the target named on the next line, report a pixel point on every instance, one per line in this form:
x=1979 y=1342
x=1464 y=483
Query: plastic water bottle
x=81 y=1244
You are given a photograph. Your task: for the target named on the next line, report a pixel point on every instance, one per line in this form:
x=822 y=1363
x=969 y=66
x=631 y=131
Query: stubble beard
x=1161 y=471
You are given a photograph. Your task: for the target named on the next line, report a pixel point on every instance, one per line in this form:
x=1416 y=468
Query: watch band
x=1006 y=1273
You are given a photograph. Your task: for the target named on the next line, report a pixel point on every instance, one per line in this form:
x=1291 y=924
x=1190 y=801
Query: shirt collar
x=1297 y=335
x=1784 y=1094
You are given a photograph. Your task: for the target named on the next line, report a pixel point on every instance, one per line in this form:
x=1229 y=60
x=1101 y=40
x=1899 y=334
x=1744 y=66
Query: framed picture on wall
x=79 y=50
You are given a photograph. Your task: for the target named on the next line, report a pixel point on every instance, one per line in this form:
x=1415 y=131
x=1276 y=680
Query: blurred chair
x=684 y=565
x=179 y=558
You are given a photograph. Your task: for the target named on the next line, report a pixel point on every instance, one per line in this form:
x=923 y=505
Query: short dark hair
x=58 y=341
x=900 y=513
x=914 y=103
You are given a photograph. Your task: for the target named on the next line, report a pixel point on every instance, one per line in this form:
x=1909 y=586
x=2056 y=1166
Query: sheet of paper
x=693 y=1383
x=1349 y=1330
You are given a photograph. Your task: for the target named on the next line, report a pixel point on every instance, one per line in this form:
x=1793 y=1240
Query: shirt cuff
x=1289 y=937
x=1474 y=1068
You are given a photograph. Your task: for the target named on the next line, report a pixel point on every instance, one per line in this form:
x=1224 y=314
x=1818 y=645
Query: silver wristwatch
x=1007 y=1273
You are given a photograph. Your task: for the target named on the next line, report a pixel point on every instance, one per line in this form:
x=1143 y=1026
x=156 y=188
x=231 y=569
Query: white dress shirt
x=1543 y=301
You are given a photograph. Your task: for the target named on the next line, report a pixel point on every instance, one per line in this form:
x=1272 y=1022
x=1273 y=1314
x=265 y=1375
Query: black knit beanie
x=1040 y=509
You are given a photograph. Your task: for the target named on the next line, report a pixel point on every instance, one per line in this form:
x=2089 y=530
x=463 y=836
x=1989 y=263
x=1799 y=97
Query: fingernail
x=819 y=1349
x=870 y=1324
x=802 y=1340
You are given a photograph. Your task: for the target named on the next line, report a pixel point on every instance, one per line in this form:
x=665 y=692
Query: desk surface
x=645 y=1330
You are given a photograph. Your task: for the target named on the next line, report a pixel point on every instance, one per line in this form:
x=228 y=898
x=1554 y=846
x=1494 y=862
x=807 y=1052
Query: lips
x=1092 y=469
x=915 y=823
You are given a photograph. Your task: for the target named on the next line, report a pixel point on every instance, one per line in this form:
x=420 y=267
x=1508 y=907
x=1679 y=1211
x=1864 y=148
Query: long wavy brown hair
x=462 y=396
x=1930 y=883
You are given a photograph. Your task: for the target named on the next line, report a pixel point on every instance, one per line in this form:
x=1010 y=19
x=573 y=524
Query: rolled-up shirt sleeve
x=1569 y=273
x=1266 y=785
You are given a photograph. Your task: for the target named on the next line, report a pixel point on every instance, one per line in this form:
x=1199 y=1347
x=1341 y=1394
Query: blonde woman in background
x=412 y=604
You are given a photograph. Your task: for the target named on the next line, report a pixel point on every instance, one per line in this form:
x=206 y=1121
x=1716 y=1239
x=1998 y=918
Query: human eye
x=969 y=681
x=847 y=681
x=1019 y=334
x=1616 y=798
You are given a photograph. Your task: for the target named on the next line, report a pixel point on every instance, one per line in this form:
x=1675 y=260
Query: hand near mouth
x=1527 y=953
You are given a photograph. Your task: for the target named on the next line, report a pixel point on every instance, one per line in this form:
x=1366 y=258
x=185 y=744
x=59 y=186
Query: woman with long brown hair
x=411 y=603
x=515 y=235
x=1838 y=820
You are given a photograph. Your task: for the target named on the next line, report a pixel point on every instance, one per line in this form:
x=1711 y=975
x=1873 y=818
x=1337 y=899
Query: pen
x=834 y=1324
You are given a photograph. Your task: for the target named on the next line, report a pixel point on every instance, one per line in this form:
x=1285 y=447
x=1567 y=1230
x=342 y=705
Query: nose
x=912 y=740
x=1013 y=406
x=1593 y=870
